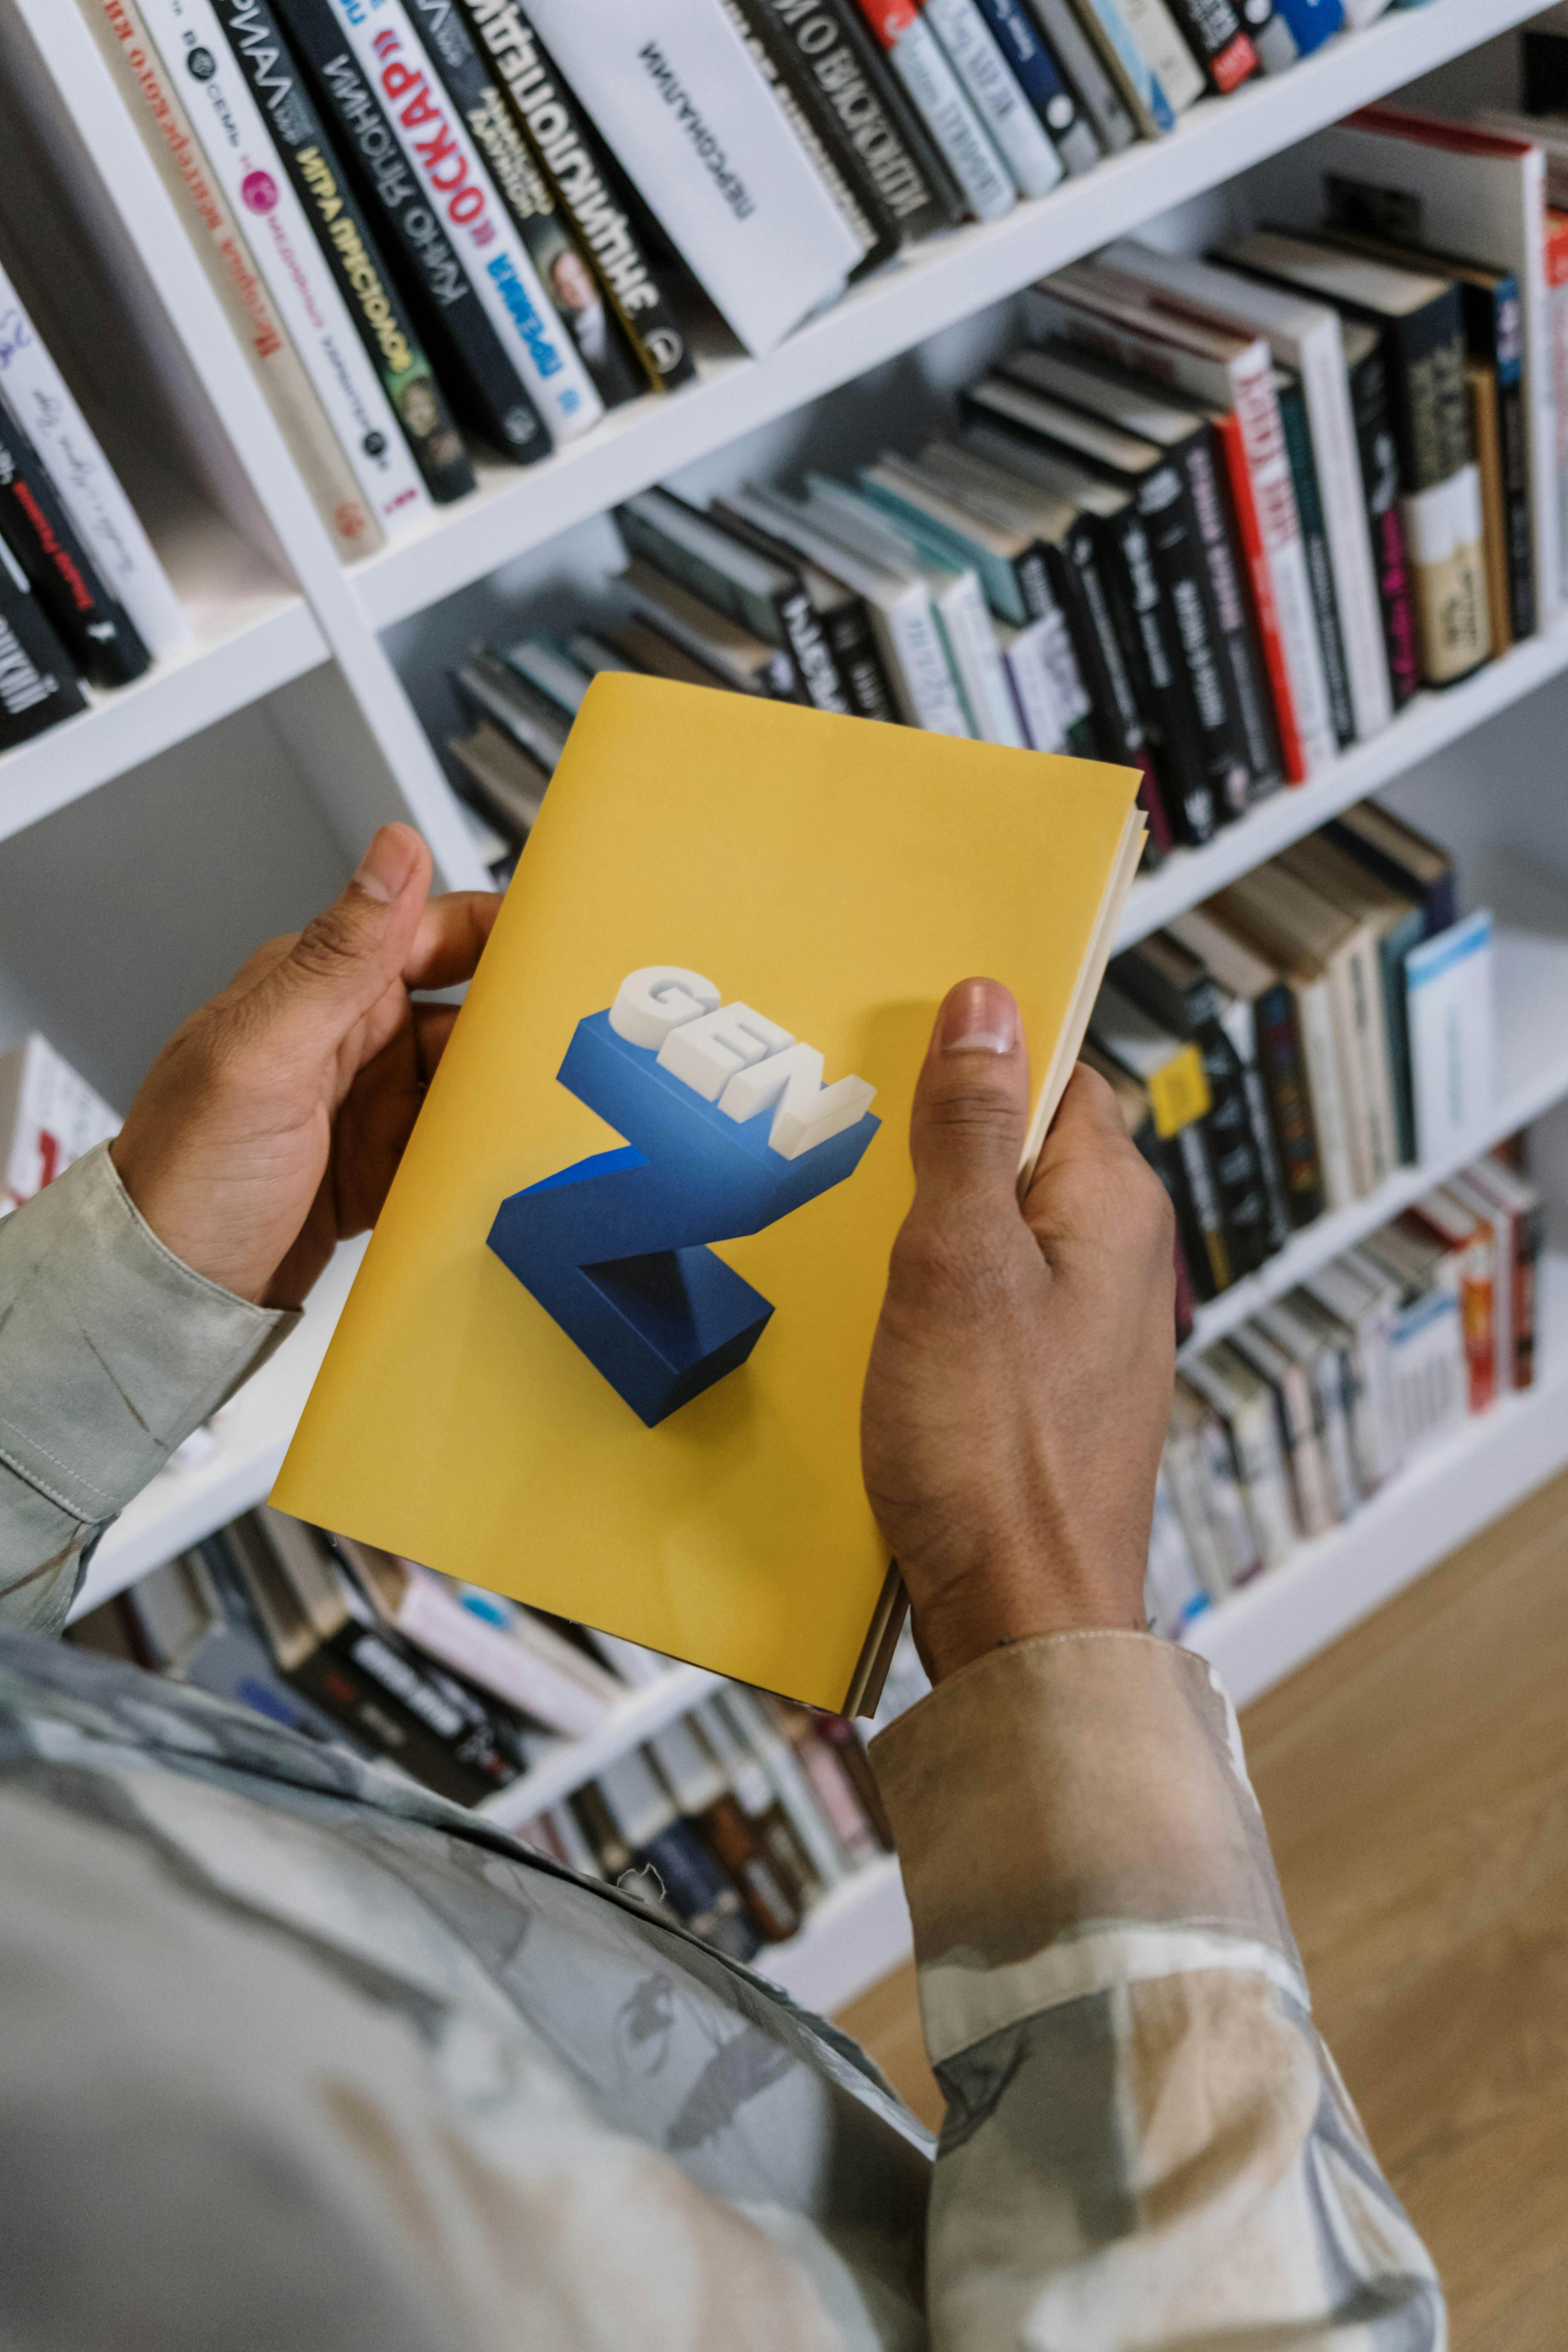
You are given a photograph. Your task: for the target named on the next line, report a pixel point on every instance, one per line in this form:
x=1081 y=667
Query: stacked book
x=736 y=1818
x=448 y=217
x=1283 y=1430
x=1282 y=1050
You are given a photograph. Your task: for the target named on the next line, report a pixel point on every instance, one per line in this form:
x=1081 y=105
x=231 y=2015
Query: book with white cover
x=1307 y=337
x=245 y=162
x=1169 y=58
x=49 y=1117
x=688 y=116
x=899 y=605
x=1468 y=193
x=1448 y=1006
x=852 y=524
x=45 y=406
x=996 y=95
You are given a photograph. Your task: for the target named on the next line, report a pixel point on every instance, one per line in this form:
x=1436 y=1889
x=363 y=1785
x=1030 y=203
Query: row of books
x=473 y=213
x=1208 y=523
x=1282 y=1432
x=1280 y=1051
x=736 y=1818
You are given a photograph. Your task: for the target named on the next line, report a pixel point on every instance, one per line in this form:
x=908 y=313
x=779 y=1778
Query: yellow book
x=699 y=1021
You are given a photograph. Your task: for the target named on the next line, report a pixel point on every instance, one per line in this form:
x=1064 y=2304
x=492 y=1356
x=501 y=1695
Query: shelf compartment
x=939 y=283
x=1531 y=978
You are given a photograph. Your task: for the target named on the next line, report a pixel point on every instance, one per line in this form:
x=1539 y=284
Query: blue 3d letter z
x=615 y=1248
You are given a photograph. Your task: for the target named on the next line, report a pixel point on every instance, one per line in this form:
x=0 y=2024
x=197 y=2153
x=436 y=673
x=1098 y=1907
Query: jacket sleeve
x=1146 y=2143
x=111 y=1351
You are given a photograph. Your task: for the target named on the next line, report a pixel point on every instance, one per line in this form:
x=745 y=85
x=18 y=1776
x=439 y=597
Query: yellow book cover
x=605 y=1350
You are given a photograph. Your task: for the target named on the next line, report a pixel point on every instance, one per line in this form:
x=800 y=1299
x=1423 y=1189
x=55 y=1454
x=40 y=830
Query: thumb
x=972 y=1102
x=347 y=957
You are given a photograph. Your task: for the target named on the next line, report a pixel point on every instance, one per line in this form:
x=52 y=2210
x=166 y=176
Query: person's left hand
x=270 y=1126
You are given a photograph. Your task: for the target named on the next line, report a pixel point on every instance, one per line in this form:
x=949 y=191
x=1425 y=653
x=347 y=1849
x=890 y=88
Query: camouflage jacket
x=294 y=2055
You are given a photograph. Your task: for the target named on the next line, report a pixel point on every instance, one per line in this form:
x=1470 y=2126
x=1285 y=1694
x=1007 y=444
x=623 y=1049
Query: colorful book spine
x=1379 y=456
x=92 y=625
x=1218 y=39
x=370 y=292
x=245 y=161
x=1018 y=36
x=1016 y=130
x=226 y=259
x=933 y=88
x=37 y=687
x=1320 y=563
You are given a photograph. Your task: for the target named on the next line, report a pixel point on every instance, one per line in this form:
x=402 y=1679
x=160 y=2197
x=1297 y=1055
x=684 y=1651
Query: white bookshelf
x=288 y=644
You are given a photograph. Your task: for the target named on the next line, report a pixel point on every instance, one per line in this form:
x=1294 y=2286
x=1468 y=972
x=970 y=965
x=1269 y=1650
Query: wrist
x=982 y=1610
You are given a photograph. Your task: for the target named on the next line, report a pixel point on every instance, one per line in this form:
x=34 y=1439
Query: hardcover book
x=607 y=1349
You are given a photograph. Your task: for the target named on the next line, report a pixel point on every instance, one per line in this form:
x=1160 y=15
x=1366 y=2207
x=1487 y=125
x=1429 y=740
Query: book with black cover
x=38 y=687
x=1297 y=427
x=907 y=167
x=1378 y=452
x=1405 y=859
x=818 y=128
x=588 y=188
x=1214 y=32
x=93 y=626
x=846 y=623
x=476 y=368
x=1172 y=1068
x=370 y=291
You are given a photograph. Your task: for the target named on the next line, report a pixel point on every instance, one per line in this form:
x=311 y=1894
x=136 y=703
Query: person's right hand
x=1020 y=1379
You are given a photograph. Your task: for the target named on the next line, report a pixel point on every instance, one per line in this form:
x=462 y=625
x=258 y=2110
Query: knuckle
x=976 y=1113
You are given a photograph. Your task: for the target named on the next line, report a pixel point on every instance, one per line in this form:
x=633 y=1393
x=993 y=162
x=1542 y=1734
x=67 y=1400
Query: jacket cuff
x=112 y=1349
x=1072 y=1812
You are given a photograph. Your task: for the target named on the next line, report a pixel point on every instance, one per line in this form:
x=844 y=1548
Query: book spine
x=754 y=29
x=922 y=67
x=1241 y=1027
x=567 y=290
x=1213 y=522
x=1379 y=457
x=1202 y=675
x=1528 y=1240
x=1033 y=690
x=1315 y=1027
x=995 y=94
x=247 y=165
x=852 y=642
x=1513 y=436
x=1035 y=70
x=586 y=188
x=231 y=272
x=443 y=158
x=348 y=246
x=910 y=175
x=1177 y=744
x=1320 y=564
x=106 y=521
x=977 y=664
x=36 y=686
x=1331 y=436
x=1283 y=1069
x=91 y=624
x=490 y=388
x=802 y=632
x=1278 y=528
x=916 y=660
x=1238 y=1171
x=1139 y=86
x=1079 y=60
x=1211 y=1261
x=1393 y=949
x=1170 y=59
x=1215 y=34
x=1441 y=486
x=1088 y=609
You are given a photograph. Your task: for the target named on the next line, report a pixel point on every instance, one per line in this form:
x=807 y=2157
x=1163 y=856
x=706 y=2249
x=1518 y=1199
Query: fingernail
x=979 y=1017
x=387 y=864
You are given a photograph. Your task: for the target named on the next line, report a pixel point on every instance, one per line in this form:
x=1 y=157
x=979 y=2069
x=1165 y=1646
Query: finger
x=1087 y=1124
x=347 y=958
x=451 y=938
x=972 y=1102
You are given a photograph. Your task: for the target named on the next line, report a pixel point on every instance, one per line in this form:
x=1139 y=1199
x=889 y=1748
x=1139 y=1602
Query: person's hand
x=1020 y=1378
x=271 y=1124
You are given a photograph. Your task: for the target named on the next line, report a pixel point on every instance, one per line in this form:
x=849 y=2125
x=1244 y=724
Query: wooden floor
x=1414 y=1779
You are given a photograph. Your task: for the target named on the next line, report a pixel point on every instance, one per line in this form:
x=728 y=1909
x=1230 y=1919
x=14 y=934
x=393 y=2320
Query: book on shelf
x=348 y=244
x=1023 y=42
x=1311 y=22
x=49 y=1116
x=1171 y=1068
x=1216 y=33
x=1470 y=1265
x=1129 y=320
x=243 y=159
x=743 y=661
x=669 y=1853
x=763 y=1809
x=551 y=670
x=683 y=106
x=1026 y=148
x=1205 y=1495
x=690 y=1771
x=931 y=86
x=936 y=687
x=590 y=197
x=1469 y=192
x=1136 y=1106
x=1513 y=1207
x=1421 y=318
x=1408 y=861
x=667 y=804
x=157 y=106
x=796 y=95
x=419 y=71
x=1449 y=997
x=1288 y=1371
x=1556 y=274
x=1173 y=1594
x=44 y=545
x=1399 y=924
x=38 y=685
x=490 y=689
x=1243 y=1401
x=507 y=783
x=1108 y=25
x=1363 y=1304
x=842 y=615
x=41 y=400
x=1087 y=73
